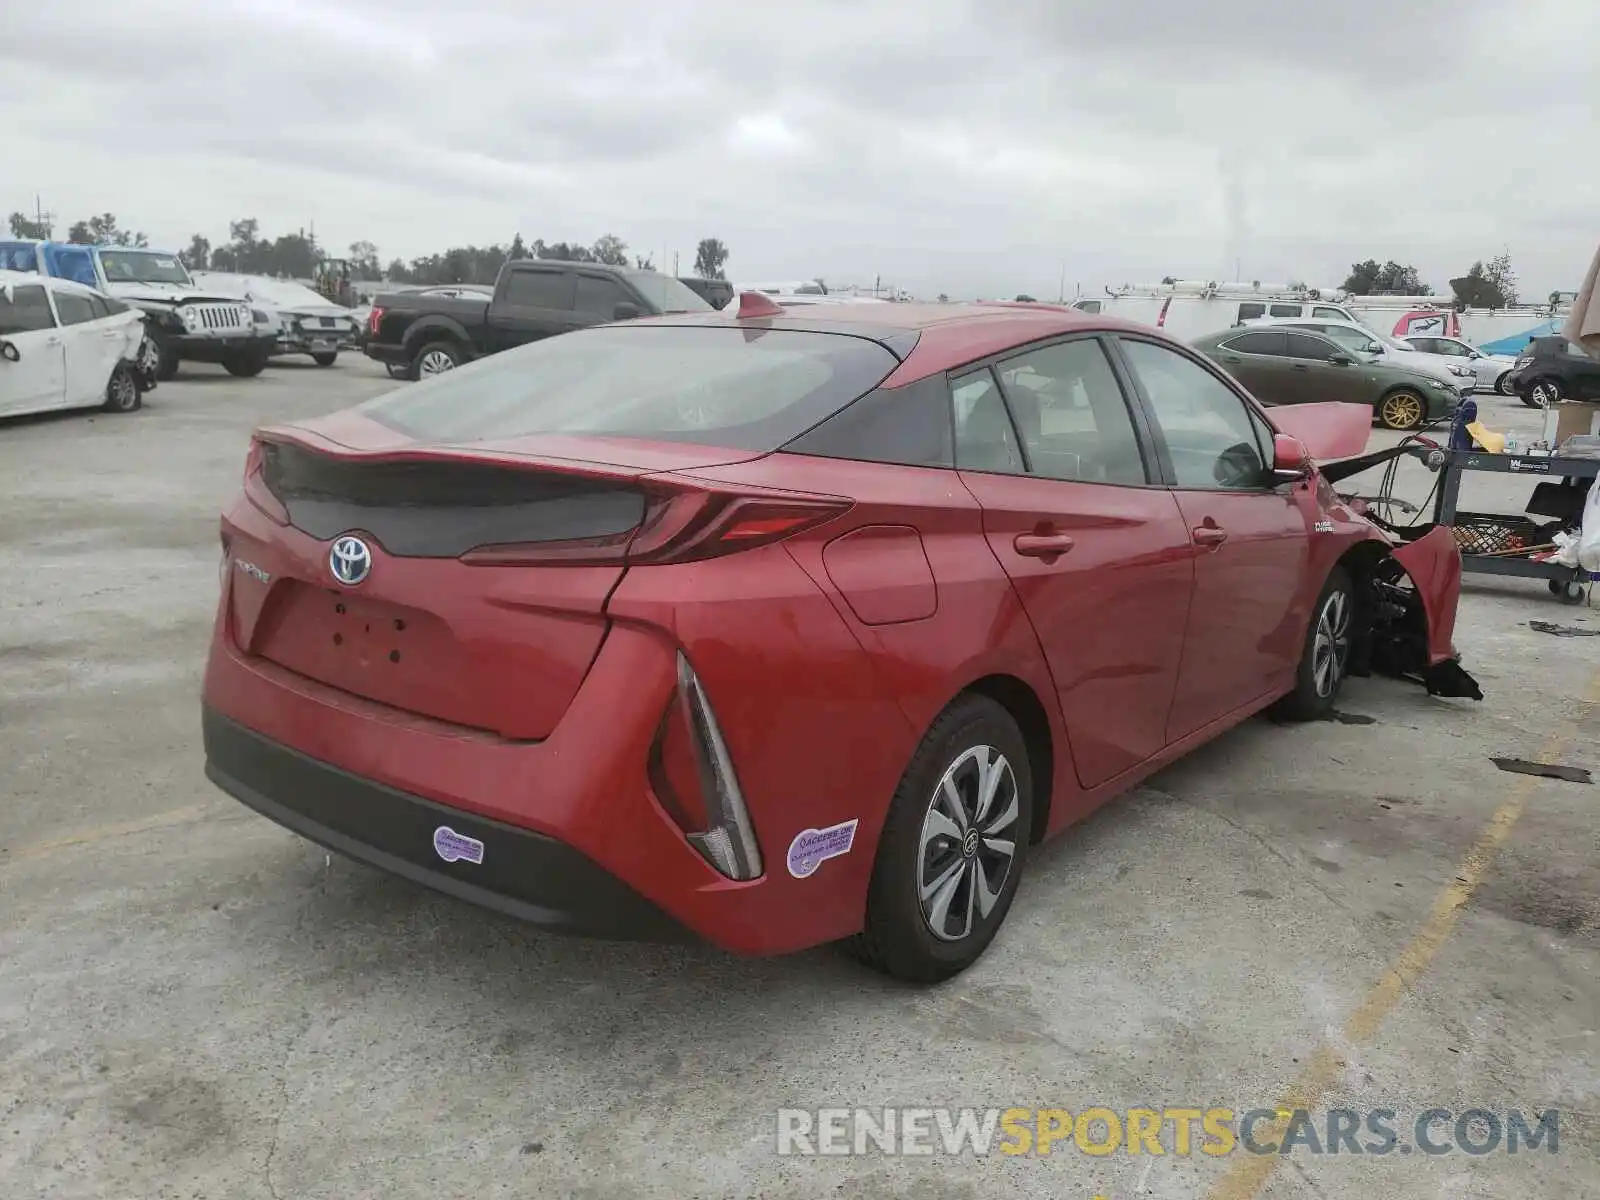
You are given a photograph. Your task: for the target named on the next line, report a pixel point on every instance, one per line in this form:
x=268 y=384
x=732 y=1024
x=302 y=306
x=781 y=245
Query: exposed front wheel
x=122 y=392
x=1401 y=409
x=952 y=849
x=1502 y=385
x=245 y=363
x=1325 y=657
x=166 y=354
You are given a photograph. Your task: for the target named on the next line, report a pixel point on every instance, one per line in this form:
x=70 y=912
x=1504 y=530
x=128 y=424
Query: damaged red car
x=778 y=628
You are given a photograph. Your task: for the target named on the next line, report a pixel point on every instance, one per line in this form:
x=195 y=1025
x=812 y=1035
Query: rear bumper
x=387 y=352
x=523 y=874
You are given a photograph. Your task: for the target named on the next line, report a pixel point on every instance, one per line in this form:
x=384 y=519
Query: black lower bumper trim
x=386 y=353
x=523 y=874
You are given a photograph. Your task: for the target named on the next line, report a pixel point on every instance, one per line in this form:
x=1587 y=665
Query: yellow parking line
x=99 y=833
x=1249 y=1174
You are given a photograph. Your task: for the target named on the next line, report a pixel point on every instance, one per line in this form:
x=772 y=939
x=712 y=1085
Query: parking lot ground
x=1360 y=914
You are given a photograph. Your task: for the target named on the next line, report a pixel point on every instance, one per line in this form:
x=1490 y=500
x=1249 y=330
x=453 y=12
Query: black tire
x=1502 y=384
x=246 y=364
x=167 y=354
x=325 y=360
x=898 y=938
x=1402 y=408
x=424 y=361
x=123 y=394
x=1543 y=391
x=1311 y=698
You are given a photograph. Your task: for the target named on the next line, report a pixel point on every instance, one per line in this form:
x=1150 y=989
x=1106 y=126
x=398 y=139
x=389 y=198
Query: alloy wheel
x=435 y=362
x=123 y=391
x=1546 y=392
x=1403 y=410
x=1330 y=649
x=1503 y=384
x=969 y=842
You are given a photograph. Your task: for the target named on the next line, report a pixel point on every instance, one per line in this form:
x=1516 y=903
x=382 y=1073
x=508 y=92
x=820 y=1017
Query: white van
x=1189 y=310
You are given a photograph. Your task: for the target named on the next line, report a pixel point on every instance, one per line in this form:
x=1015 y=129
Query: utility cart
x=1498 y=543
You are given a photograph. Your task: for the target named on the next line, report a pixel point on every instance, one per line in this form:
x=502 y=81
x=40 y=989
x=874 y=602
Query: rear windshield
x=708 y=385
x=669 y=295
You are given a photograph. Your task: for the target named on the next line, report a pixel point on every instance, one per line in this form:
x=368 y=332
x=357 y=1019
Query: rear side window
x=540 y=289
x=1262 y=341
x=1332 y=314
x=907 y=425
x=1285 y=310
x=1070 y=414
x=707 y=385
x=1249 y=312
x=26 y=311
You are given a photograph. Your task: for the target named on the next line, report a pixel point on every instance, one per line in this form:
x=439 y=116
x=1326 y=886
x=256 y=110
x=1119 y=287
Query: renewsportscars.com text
x=1168 y=1131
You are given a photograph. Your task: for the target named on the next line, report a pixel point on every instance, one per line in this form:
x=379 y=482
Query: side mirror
x=1340 y=360
x=1291 y=461
x=625 y=312
x=9 y=352
x=1374 y=347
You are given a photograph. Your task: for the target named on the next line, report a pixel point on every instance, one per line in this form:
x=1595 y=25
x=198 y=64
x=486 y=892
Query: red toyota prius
x=774 y=629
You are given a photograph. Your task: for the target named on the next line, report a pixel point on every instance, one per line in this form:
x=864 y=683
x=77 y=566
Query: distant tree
x=644 y=262
x=398 y=272
x=364 y=262
x=223 y=258
x=293 y=254
x=1499 y=273
x=103 y=230
x=518 y=250
x=610 y=250
x=1025 y=298
x=1370 y=279
x=24 y=226
x=943 y=299
x=1494 y=286
x=563 y=252
x=78 y=234
x=709 y=258
x=198 y=256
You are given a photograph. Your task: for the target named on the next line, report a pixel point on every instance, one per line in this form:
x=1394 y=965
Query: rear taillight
x=681 y=527
x=693 y=777
x=374 y=319
x=255 y=484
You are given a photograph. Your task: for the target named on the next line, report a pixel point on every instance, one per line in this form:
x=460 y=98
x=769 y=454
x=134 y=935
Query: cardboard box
x=1574 y=416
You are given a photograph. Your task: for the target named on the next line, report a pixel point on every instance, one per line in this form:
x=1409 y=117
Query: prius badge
x=350 y=560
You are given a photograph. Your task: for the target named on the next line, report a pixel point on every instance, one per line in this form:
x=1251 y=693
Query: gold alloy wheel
x=1401 y=410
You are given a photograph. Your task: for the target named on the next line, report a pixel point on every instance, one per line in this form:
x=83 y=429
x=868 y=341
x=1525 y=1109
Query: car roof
x=948 y=335
x=50 y=282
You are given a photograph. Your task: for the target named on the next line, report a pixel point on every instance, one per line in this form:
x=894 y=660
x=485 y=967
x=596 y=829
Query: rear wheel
x=952 y=849
x=1545 y=392
x=122 y=392
x=1402 y=409
x=1325 y=657
x=325 y=360
x=435 y=359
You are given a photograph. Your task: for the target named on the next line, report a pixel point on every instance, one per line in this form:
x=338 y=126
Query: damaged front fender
x=1415 y=591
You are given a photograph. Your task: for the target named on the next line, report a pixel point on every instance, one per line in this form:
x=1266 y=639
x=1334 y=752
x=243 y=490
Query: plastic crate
x=1490 y=534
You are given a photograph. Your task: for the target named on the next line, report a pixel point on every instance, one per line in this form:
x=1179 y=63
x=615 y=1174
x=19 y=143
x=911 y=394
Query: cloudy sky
x=946 y=145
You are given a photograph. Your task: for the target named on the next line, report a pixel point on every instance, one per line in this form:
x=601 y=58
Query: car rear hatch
x=483 y=602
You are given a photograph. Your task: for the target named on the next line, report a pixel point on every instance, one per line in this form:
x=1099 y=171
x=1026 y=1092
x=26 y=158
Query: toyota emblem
x=350 y=560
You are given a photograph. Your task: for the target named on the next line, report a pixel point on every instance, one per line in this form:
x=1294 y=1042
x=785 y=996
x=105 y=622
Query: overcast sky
x=975 y=149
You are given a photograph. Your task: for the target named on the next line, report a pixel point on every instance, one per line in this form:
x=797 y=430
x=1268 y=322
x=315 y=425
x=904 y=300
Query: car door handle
x=1299 y=367
x=52 y=341
x=1042 y=545
x=110 y=333
x=1208 y=535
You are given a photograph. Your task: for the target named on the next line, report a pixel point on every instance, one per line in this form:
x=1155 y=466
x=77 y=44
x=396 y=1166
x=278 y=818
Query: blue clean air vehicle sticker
x=813 y=847
x=457 y=847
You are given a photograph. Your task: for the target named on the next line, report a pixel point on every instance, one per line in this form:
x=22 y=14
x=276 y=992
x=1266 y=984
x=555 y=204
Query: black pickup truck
x=419 y=335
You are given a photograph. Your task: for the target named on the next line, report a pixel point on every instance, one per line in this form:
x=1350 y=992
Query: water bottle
x=1513 y=444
